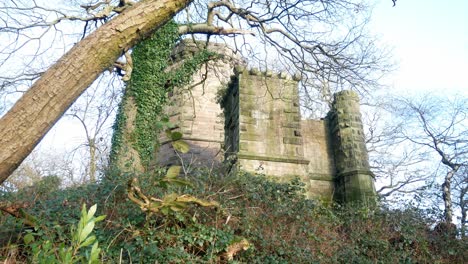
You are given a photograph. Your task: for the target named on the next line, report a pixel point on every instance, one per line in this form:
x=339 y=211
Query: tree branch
x=212 y=30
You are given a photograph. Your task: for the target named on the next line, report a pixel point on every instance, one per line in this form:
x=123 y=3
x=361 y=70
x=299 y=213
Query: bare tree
x=439 y=128
x=316 y=38
x=95 y=110
x=38 y=165
x=399 y=168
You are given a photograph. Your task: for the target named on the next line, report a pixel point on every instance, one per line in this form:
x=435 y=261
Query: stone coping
x=251 y=156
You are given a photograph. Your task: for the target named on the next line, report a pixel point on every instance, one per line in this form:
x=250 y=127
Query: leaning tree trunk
x=22 y=128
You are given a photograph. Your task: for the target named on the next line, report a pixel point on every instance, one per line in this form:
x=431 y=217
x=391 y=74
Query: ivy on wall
x=149 y=86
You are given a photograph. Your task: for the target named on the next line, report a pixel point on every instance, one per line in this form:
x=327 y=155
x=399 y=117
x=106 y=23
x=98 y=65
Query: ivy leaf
x=176 y=135
x=181 y=146
x=28 y=238
x=173 y=172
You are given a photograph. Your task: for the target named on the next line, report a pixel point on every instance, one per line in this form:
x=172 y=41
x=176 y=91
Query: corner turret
x=354 y=182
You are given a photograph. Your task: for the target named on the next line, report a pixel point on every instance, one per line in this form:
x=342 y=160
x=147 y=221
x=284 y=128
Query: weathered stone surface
x=258 y=126
x=354 y=180
x=196 y=110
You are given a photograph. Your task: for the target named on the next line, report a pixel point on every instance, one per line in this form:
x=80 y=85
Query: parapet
x=188 y=47
x=240 y=69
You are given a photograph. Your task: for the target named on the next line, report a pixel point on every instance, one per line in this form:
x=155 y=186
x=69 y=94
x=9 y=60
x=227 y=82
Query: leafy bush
x=259 y=220
x=47 y=247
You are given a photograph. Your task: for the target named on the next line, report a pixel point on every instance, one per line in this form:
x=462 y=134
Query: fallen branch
x=17 y=211
x=170 y=202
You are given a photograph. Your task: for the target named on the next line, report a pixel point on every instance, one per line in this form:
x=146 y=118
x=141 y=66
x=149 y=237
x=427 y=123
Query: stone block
x=251 y=137
x=293 y=110
x=296 y=125
x=292 y=140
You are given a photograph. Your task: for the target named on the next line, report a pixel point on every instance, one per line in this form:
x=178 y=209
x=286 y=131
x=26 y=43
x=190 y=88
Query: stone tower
x=262 y=124
x=353 y=180
x=252 y=120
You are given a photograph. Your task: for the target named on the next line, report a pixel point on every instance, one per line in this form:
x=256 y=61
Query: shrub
x=263 y=221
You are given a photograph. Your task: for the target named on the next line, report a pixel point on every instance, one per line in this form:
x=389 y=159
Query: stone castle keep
x=251 y=120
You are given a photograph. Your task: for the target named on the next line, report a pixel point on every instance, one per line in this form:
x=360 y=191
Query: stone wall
x=257 y=127
x=263 y=123
x=195 y=109
x=319 y=152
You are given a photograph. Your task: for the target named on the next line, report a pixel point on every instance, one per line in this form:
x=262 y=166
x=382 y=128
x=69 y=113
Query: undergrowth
x=270 y=222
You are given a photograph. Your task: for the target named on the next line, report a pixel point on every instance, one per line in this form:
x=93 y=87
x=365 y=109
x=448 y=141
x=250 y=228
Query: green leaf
x=92 y=211
x=67 y=257
x=173 y=172
x=84 y=214
x=99 y=218
x=94 y=256
x=28 y=238
x=176 y=135
x=88 y=241
x=165 y=210
x=86 y=231
x=181 y=146
x=179 y=182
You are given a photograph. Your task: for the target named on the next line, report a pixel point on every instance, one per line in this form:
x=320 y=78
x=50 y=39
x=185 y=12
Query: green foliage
x=46 y=248
x=118 y=128
x=279 y=225
x=177 y=142
x=149 y=85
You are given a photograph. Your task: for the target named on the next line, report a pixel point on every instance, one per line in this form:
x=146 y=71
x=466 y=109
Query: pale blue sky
x=429 y=39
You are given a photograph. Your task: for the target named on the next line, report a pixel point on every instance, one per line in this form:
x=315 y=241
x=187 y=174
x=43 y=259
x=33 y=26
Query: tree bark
x=92 y=160
x=464 y=209
x=22 y=128
x=447 y=194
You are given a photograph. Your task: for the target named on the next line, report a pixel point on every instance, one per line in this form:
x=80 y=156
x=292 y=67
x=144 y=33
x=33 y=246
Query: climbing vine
x=149 y=85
